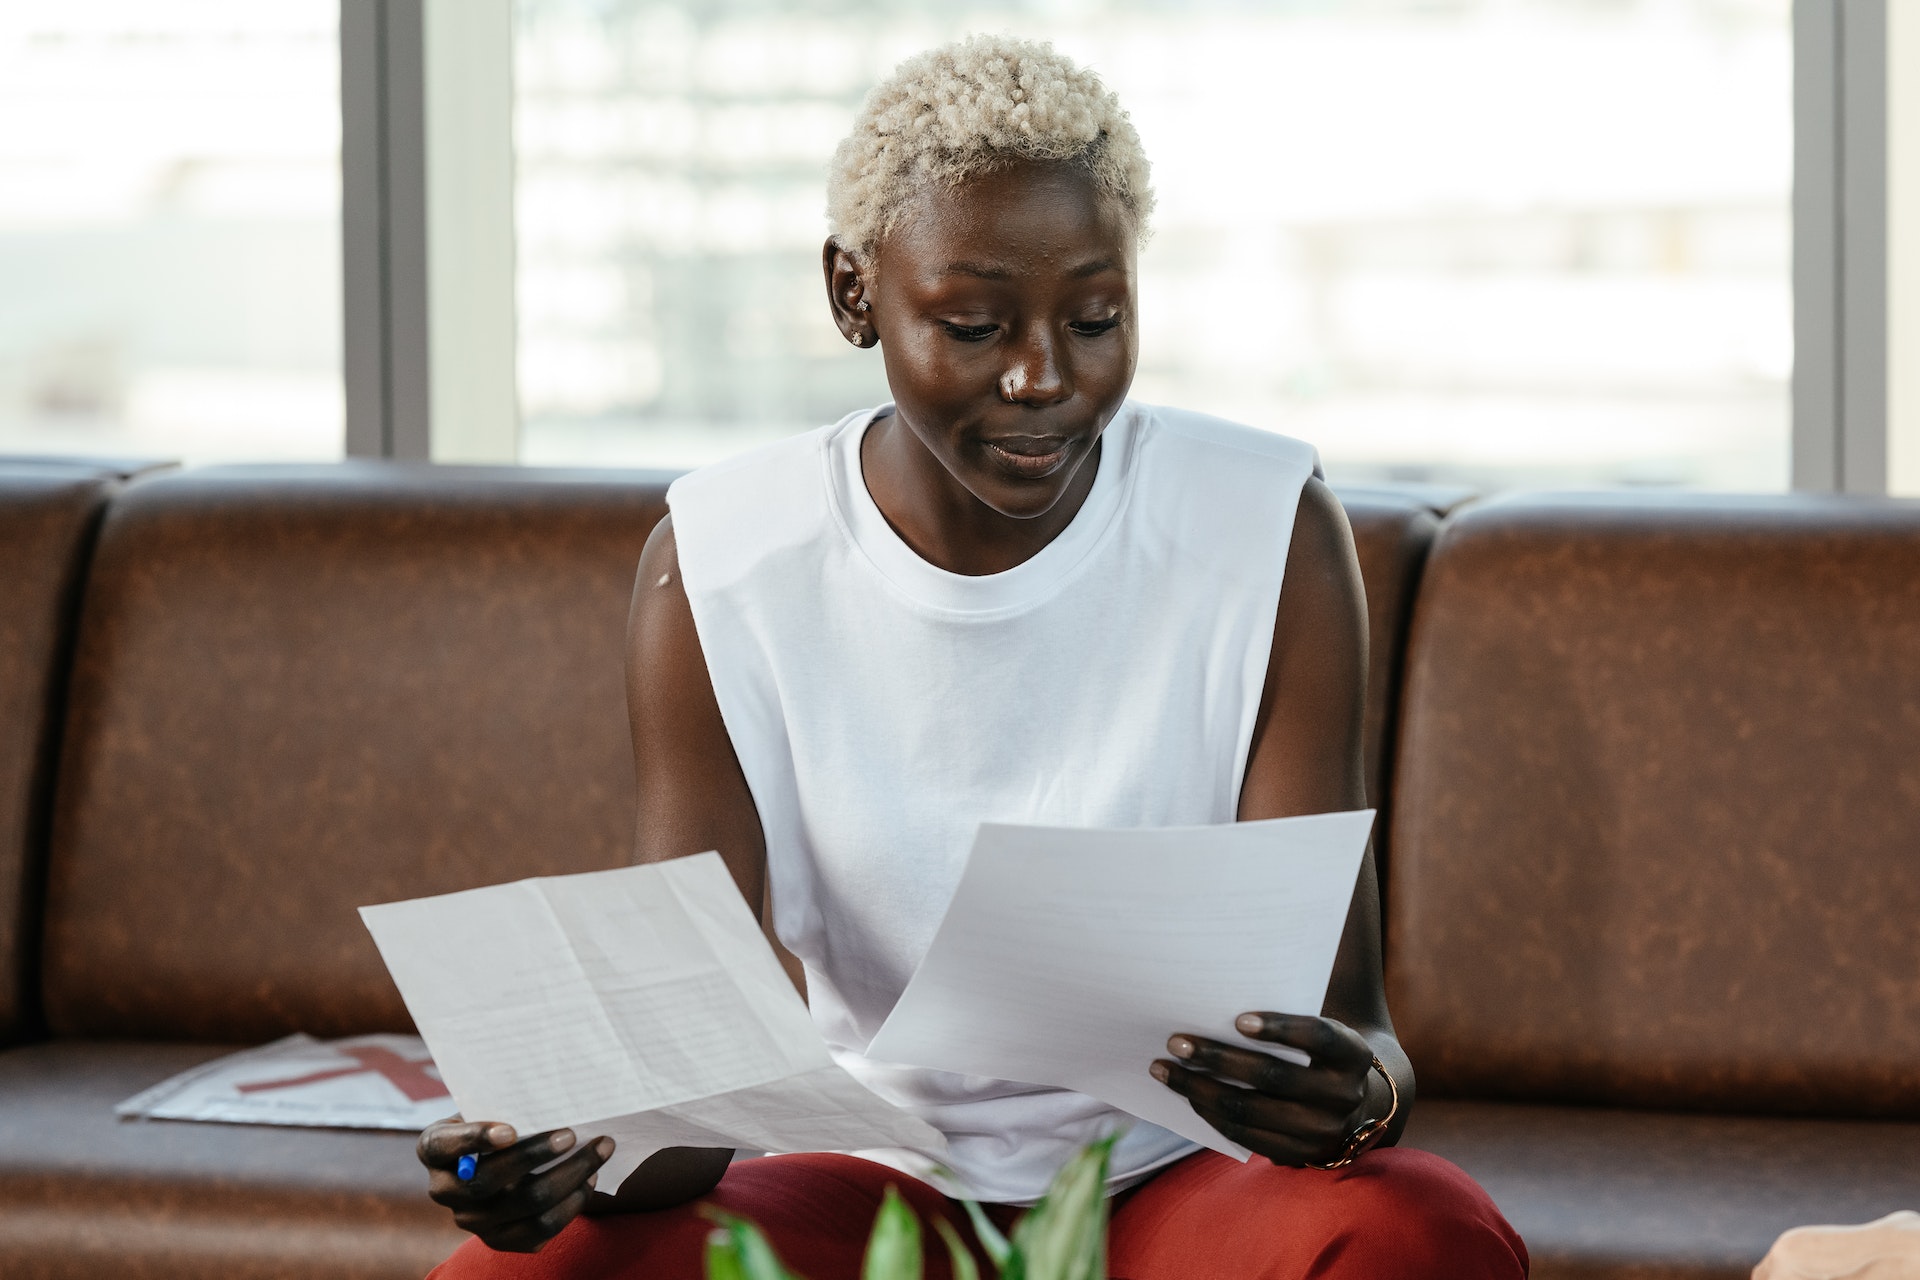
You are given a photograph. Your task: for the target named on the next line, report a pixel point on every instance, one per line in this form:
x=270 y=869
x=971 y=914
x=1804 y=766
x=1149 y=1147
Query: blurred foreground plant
x=1064 y=1237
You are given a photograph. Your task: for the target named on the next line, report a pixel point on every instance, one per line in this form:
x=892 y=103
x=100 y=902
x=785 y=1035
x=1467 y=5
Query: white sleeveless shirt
x=881 y=708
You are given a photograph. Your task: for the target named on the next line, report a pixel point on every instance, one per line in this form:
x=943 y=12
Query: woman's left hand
x=1288 y=1113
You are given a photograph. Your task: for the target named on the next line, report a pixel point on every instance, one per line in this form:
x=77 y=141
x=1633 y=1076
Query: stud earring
x=863 y=306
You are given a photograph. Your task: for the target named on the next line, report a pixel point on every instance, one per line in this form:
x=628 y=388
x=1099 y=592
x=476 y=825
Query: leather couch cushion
x=83 y=1194
x=300 y=690
x=48 y=514
x=1657 y=805
x=1595 y=1193
x=1638 y=1195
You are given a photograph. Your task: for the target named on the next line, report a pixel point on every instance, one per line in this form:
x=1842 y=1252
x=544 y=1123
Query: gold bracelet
x=1370 y=1131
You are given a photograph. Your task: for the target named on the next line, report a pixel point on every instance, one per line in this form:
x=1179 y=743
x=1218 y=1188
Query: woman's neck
x=944 y=523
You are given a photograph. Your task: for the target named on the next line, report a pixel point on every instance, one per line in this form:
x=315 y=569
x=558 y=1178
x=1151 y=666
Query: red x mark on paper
x=408 y=1075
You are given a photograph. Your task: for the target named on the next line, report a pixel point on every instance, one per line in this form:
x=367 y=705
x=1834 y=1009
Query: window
x=1494 y=241
x=169 y=229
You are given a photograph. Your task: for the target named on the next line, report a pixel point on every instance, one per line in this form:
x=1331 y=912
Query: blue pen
x=466 y=1168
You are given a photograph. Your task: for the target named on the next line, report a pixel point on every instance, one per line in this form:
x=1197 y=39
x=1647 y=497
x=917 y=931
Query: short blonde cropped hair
x=967 y=108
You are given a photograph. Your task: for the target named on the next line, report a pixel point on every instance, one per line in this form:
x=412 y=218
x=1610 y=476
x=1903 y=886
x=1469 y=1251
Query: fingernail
x=1180 y=1047
x=1158 y=1071
x=604 y=1147
x=501 y=1135
x=562 y=1139
x=1251 y=1024
x=593 y=1181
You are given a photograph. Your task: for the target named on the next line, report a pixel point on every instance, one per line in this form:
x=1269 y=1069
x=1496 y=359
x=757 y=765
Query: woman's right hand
x=506 y=1204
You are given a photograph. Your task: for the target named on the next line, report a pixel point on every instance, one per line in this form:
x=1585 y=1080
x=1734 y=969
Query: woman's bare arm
x=1307 y=758
x=691 y=797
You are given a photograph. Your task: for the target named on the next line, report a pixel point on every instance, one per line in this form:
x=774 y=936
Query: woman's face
x=1005 y=312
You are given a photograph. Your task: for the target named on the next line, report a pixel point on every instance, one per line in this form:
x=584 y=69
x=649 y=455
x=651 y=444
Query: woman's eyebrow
x=991 y=271
x=984 y=271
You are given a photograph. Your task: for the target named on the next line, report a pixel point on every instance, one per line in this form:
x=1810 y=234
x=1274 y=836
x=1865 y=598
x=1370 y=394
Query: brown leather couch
x=295 y=690
x=1654 y=923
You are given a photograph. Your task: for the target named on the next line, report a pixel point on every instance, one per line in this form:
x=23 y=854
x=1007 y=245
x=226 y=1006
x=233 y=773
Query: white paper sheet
x=361 y=1082
x=643 y=1003
x=1068 y=956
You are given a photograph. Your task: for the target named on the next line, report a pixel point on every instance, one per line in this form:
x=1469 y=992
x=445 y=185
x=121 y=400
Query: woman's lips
x=1031 y=456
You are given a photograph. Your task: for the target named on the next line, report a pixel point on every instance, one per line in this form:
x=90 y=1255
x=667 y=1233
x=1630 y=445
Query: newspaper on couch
x=361 y=1082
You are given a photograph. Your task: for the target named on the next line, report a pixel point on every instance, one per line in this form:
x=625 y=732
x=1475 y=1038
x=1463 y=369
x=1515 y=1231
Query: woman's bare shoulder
x=692 y=795
x=660 y=613
x=1323 y=607
x=1321 y=534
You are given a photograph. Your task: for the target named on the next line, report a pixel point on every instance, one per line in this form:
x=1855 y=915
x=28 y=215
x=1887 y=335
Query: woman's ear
x=847 y=294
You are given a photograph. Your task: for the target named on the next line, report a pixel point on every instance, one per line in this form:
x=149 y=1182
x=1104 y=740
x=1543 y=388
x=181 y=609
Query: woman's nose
x=1035 y=374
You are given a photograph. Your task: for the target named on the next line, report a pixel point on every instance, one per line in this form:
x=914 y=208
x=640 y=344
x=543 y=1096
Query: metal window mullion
x=383 y=228
x=1817 y=338
x=363 y=217
x=1863 y=242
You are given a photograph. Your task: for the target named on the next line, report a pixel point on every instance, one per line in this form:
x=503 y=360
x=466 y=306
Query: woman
x=1011 y=594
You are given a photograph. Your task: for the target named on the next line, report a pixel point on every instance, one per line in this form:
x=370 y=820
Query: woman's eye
x=971 y=332
x=1088 y=328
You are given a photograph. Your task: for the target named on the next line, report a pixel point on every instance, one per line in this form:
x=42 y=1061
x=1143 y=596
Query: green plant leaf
x=738 y=1250
x=1064 y=1237
x=957 y=1251
x=893 y=1250
x=998 y=1250
x=762 y=1263
x=723 y=1261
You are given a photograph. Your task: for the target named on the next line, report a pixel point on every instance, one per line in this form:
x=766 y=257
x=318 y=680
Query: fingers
x=1341 y=1091
x=530 y=1211
x=1217 y=1100
x=499 y=1170
x=1284 y=1131
x=1322 y=1039
x=444 y=1142
x=532 y=1195
x=1290 y=1113
x=529 y=1234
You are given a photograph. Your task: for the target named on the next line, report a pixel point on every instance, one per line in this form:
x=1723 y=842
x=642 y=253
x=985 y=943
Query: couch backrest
x=114 y=466
x=299 y=690
x=48 y=515
x=1657 y=805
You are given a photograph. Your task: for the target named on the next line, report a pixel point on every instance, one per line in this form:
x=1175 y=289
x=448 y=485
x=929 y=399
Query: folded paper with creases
x=1068 y=956
x=643 y=1003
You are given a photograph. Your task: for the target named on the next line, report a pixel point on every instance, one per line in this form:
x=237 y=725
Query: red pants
x=1392 y=1214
